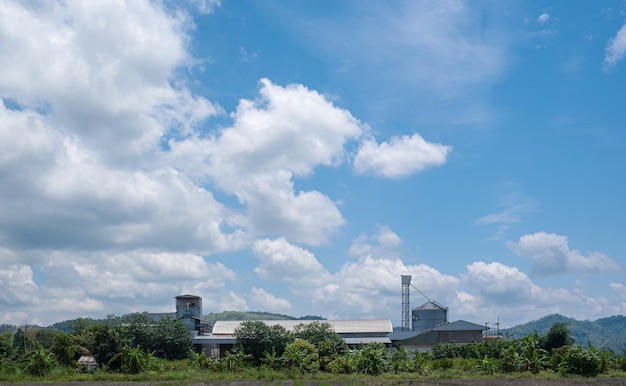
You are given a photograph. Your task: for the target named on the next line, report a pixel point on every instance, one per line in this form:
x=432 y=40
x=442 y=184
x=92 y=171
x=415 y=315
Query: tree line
x=135 y=343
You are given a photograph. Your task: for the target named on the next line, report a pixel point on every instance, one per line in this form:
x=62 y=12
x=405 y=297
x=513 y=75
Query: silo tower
x=429 y=315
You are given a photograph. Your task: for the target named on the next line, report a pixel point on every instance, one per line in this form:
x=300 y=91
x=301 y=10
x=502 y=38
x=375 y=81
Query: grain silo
x=429 y=315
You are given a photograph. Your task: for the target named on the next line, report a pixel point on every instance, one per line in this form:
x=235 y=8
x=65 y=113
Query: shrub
x=372 y=359
x=302 y=355
x=578 y=361
x=40 y=361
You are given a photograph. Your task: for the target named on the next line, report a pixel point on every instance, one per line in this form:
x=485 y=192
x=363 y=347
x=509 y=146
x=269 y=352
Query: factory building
x=353 y=332
x=429 y=325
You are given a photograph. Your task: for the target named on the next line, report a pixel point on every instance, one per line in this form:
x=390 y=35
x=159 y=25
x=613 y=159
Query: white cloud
x=620 y=290
x=543 y=18
x=17 y=288
x=615 y=49
x=281 y=260
x=269 y=302
x=506 y=292
x=207 y=6
x=285 y=133
x=400 y=157
x=101 y=71
x=551 y=254
x=386 y=244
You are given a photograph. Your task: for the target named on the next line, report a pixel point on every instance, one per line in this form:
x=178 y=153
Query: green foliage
x=272 y=360
x=235 y=360
x=39 y=362
x=579 y=361
x=170 y=337
x=302 y=355
x=372 y=359
x=343 y=365
x=321 y=334
x=105 y=343
x=256 y=338
x=202 y=361
x=486 y=366
x=22 y=343
x=535 y=358
x=133 y=360
x=63 y=349
x=6 y=343
x=558 y=336
x=45 y=336
x=607 y=332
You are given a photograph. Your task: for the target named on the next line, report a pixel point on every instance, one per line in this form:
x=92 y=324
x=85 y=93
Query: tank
x=428 y=315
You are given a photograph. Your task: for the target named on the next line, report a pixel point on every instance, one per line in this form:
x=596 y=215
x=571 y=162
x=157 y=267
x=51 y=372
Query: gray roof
x=366 y=340
x=431 y=305
x=227 y=327
x=460 y=325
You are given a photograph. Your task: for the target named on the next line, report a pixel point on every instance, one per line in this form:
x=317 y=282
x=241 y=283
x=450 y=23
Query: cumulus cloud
x=281 y=260
x=285 y=133
x=368 y=287
x=385 y=246
x=506 y=292
x=105 y=81
x=400 y=157
x=269 y=302
x=551 y=254
x=615 y=49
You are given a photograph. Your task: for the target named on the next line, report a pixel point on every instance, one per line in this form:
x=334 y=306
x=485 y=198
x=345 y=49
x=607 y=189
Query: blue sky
x=298 y=157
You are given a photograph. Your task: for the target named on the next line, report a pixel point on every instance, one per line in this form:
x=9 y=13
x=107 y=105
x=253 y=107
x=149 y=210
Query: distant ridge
x=253 y=315
x=609 y=332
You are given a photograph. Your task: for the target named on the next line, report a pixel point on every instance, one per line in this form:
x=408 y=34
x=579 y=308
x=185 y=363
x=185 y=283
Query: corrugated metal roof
x=431 y=305
x=460 y=325
x=366 y=340
x=227 y=327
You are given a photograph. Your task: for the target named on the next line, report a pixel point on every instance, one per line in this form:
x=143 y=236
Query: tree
x=63 y=349
x=6 y=344
x=329 y=344
x=45 y=337
x=105 y=344
x=171 y=337
x=558 y=336
x=256 y=338
x=21 y=342
x=135 y=330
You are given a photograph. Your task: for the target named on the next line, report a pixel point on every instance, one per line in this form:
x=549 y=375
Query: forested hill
x=253 y=315
x=607 y=332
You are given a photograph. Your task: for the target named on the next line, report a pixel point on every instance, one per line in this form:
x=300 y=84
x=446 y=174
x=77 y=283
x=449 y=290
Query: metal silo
x=429 y=315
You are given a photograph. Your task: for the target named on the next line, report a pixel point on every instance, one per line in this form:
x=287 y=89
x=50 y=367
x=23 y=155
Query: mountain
x=609 y=332
x=253 y=315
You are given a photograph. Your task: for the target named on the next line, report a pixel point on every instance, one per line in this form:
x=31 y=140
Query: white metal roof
x=227 y=327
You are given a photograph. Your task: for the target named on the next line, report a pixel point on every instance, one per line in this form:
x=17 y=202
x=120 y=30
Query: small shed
x=86 y=364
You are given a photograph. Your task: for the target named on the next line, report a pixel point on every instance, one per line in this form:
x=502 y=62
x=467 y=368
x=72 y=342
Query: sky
x=298 y=157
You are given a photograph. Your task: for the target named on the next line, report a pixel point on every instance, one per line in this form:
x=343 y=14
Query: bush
x=302 y=355
x=372 y=359
x=39 y=361
x=578 y=361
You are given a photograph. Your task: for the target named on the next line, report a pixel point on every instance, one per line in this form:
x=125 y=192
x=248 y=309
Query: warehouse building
x=354 y=333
